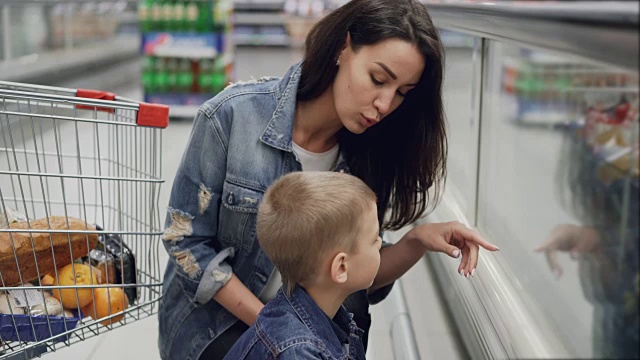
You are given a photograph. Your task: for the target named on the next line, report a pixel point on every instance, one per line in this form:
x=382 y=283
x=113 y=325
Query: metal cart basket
x=80 y=176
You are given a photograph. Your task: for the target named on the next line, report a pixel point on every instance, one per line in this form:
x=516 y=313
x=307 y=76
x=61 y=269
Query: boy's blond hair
x=305 y=215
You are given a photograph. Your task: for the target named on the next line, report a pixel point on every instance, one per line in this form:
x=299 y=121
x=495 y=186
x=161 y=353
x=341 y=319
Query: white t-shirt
x=310 y=162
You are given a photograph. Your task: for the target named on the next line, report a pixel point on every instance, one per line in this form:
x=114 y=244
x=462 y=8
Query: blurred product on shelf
x=196 y=16
x=183 y=76
x=86 y=22
x=302 y=16
x=188 y=52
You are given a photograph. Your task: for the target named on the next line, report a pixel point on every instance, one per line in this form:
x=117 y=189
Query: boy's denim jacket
x=295 y=328
x=240 y=144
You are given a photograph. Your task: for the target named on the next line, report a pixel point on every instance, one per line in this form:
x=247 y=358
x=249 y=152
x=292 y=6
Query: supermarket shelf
x=259 y=18
x=194 y=53
x=252 y=5
x=261 y=40
x=183 y=111
x=50 y=67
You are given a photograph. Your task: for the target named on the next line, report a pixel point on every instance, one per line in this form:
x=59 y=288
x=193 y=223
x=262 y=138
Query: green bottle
x=144 y=14
x=172 y=74
x=156 y=15
x=205 y=73
x=178 y=15
x=162 y=76
x=191 y=18
x=185 y=76
x=147 y=75
x=167 y=15
x=204 y=12
x=218 y=82
x=222 y=14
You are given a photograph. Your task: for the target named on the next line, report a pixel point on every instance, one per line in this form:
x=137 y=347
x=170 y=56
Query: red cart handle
x=151 y=115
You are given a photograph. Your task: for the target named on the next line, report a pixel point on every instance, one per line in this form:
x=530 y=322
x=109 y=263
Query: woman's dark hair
x=405 y=155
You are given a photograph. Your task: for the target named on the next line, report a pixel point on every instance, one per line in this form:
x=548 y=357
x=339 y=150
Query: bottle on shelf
x=185 y=76
x=191 y=16
x=222 y=15
x=204 y=18
x=172 y=74
x=161 y=76
x=156 y=15
x=167 y=15
x=205 y=72
x=148 y=78
x=178 y=16
x=144 y=14
x=219 y=77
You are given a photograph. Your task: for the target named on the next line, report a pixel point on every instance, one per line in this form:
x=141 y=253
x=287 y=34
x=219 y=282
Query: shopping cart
x=80 y=176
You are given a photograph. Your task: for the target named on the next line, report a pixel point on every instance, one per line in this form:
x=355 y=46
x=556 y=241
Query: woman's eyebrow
x=386 y=68
x=391 y=73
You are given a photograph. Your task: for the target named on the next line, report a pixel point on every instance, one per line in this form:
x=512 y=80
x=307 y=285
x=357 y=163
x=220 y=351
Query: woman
x=366 y=99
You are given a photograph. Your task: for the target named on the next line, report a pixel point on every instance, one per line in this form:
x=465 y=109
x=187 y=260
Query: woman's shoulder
x=262 y=91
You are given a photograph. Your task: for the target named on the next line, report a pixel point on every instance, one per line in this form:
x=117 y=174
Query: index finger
x=461 y=232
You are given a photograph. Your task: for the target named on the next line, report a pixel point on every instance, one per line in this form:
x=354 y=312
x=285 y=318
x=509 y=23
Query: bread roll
x=66 y=248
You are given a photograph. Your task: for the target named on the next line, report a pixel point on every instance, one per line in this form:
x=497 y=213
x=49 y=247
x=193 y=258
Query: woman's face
x=372 y=82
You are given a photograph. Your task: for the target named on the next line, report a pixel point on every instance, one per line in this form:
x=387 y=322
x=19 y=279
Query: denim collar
x=279 y=130
x=320 y=324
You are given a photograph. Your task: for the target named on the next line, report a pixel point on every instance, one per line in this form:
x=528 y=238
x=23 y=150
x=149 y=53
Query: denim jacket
x=241 y=142
x=295 y=328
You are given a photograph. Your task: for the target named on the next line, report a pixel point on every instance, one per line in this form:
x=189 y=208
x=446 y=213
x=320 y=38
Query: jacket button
x=230 y=199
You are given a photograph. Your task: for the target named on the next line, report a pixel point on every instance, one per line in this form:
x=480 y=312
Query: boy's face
x=365 y=258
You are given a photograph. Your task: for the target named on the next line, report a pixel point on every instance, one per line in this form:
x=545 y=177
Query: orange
x=107 y=301
x=47 y=280
x=74 y=274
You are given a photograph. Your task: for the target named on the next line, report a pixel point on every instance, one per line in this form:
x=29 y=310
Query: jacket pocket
x=237 y=218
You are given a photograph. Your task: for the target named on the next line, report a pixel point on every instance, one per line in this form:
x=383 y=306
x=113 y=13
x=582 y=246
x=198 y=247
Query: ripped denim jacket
x=240 y=143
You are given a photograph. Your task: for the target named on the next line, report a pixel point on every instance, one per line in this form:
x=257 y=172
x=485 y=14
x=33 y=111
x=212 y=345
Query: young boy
x=320 y=230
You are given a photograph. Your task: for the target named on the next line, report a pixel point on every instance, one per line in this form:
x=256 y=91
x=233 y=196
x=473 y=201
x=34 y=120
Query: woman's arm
x=451 y=238
x=238 y=300
x=397 y=259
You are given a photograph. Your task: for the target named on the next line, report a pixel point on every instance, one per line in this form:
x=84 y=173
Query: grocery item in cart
x=11 y=216
x=73 y=275
x=104 y=266
x=39 y=253
x=42 y=318
x=125 y=262
x=107 y=301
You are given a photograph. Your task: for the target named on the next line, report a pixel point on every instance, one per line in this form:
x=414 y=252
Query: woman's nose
x=383 y=104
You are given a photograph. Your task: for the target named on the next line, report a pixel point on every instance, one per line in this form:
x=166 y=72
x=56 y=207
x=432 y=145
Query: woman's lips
x=367 y=122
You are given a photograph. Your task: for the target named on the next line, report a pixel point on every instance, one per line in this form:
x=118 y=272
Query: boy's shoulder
x=279 y=333
x=280 y=328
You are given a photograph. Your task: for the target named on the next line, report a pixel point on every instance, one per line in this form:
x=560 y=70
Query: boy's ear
x=339 y=268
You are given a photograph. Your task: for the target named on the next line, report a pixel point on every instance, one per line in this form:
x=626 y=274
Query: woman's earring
x=338 y=62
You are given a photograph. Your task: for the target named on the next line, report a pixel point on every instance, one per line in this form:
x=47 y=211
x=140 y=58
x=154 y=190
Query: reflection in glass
x=559 y=192
x=598 y=184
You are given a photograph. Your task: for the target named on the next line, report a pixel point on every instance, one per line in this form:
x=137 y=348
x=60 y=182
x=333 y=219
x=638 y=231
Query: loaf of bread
x=42 y=248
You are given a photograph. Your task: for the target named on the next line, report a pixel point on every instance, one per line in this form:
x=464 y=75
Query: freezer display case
x=558 y=192
x=544 y=163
